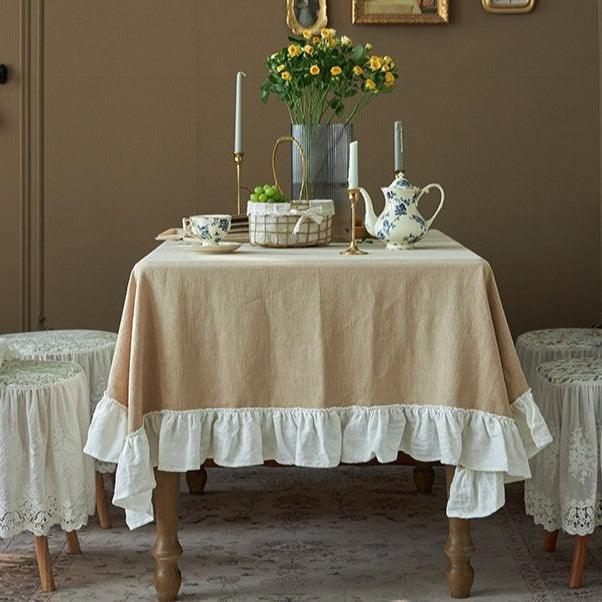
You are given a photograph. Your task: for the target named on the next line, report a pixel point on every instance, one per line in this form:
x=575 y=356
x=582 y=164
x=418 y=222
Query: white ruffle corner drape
x=488 y=449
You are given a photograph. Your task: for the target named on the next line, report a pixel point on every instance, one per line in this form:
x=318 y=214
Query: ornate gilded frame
x=296 y=27
x=441 y=16
x=508 y=10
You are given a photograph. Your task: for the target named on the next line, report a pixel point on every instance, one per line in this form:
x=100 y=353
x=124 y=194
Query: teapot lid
x=400 y=181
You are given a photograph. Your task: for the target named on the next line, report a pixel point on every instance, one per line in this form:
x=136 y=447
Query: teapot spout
x=370 y=217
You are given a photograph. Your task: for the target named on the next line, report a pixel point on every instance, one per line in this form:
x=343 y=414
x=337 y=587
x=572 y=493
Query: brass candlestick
x=238 y=159
x=353 y=249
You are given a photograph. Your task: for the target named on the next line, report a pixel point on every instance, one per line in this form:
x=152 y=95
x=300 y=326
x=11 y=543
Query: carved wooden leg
x=44 y=564
x=72 y=542
x=424 y=476
x=102 y=506
x=196 y=480
x=459 y=548
x=549 y=544
x=578 y=562
x=167 y=549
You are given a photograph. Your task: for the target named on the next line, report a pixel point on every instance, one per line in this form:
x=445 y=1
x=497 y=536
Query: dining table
x=307 y=357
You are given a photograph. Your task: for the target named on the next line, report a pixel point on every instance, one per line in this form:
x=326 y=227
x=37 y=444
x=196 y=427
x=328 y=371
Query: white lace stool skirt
x=93 y=350
x=565 y=491
x=45 y=479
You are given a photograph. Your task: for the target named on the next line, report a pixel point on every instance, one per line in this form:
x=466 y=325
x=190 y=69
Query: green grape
x=270 y=193
x=263 y=198
x=258 y=190
x=266 y=187
x=253 y=197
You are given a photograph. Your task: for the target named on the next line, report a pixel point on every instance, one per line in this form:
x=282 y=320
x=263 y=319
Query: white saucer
x=223 y=247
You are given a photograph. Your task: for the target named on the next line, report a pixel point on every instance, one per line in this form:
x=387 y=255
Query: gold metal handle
x=303 y=163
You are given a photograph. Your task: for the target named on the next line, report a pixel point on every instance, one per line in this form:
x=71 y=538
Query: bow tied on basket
x=313 y=213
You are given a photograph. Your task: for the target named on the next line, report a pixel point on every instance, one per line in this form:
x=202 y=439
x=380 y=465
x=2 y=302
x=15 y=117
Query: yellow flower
x=327 y=33
x=308 y=49
x=314 y=69
x=357 y=70
x=285 y=75
x=389 y=84
x=389 y=77
x=280 y=68
x=370 y=85
x=387 y=59
x=333 y=42
x=375 y=62
x=273 y=56
x=336 y=70
x=315 y=39
x=345 y=40
x=307 y=33
x=385 y=67
x=294 y=50
x=368 y=46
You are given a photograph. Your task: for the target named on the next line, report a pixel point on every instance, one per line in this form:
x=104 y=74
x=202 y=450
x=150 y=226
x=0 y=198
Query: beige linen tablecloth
x=311 y=358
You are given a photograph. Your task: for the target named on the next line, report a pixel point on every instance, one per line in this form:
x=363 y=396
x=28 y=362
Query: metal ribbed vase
x=326 y=149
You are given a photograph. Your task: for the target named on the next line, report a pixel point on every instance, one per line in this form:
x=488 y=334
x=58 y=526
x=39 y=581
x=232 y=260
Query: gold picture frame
x=416 y=11
x=508 y=7
x=298 y=13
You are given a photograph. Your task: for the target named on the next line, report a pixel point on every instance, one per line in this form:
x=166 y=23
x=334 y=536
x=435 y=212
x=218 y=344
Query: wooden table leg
x=578 y=562
x=102 y=506
x=196 y=480
x=549 y=544
x=72 y=542
x=424 y=476
x=44 y=564
x=459 y=548
x=167 y=549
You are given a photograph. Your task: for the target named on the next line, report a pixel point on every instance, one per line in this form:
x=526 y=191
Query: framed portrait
x=306 y=14
x=400 y=11
x=508 y=6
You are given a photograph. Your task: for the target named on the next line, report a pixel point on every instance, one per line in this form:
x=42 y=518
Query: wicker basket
x=302 y=223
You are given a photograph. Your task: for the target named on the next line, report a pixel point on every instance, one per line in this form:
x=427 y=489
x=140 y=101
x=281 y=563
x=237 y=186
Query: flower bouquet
x=325 y=81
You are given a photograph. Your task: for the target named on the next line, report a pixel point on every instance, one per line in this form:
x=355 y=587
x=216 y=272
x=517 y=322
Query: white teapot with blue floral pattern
x=400 y=225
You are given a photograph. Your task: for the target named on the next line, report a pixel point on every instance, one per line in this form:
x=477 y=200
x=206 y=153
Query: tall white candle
x=238 y=114
x=398 y=128
x=353 y=165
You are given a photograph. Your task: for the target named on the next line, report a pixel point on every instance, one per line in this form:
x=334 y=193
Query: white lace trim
x=577 y=517
x=489 y=449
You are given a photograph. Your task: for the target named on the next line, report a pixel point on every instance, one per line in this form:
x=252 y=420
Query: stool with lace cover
x=45 y=480
x=565 y=491
x=93 y=351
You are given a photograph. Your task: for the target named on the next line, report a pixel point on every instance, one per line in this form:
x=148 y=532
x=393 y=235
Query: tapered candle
x=353 y=168
x=398 y=128
x=238 y=115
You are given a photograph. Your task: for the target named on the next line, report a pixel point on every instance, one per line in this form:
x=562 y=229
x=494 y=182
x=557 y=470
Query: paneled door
x=14 y=248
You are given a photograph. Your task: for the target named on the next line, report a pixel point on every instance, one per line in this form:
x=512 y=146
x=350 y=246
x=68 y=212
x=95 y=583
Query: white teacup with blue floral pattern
x=211 y=230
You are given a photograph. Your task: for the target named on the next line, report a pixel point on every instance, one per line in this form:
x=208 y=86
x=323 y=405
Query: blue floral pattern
x=211 y=229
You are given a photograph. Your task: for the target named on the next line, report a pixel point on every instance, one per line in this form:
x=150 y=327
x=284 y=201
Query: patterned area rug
x=352 y=533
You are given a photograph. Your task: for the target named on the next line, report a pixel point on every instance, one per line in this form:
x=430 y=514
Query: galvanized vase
x=326 y=149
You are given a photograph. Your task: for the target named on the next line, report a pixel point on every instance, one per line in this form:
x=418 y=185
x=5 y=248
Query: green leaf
x=358 y=52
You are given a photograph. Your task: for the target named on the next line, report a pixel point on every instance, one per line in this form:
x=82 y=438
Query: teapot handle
x=427 y=188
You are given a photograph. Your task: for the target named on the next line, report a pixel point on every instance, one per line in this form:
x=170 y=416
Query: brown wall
x=137 y=108
x=501 y=110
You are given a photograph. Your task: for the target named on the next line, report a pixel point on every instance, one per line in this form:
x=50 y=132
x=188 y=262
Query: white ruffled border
x=488 y=449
